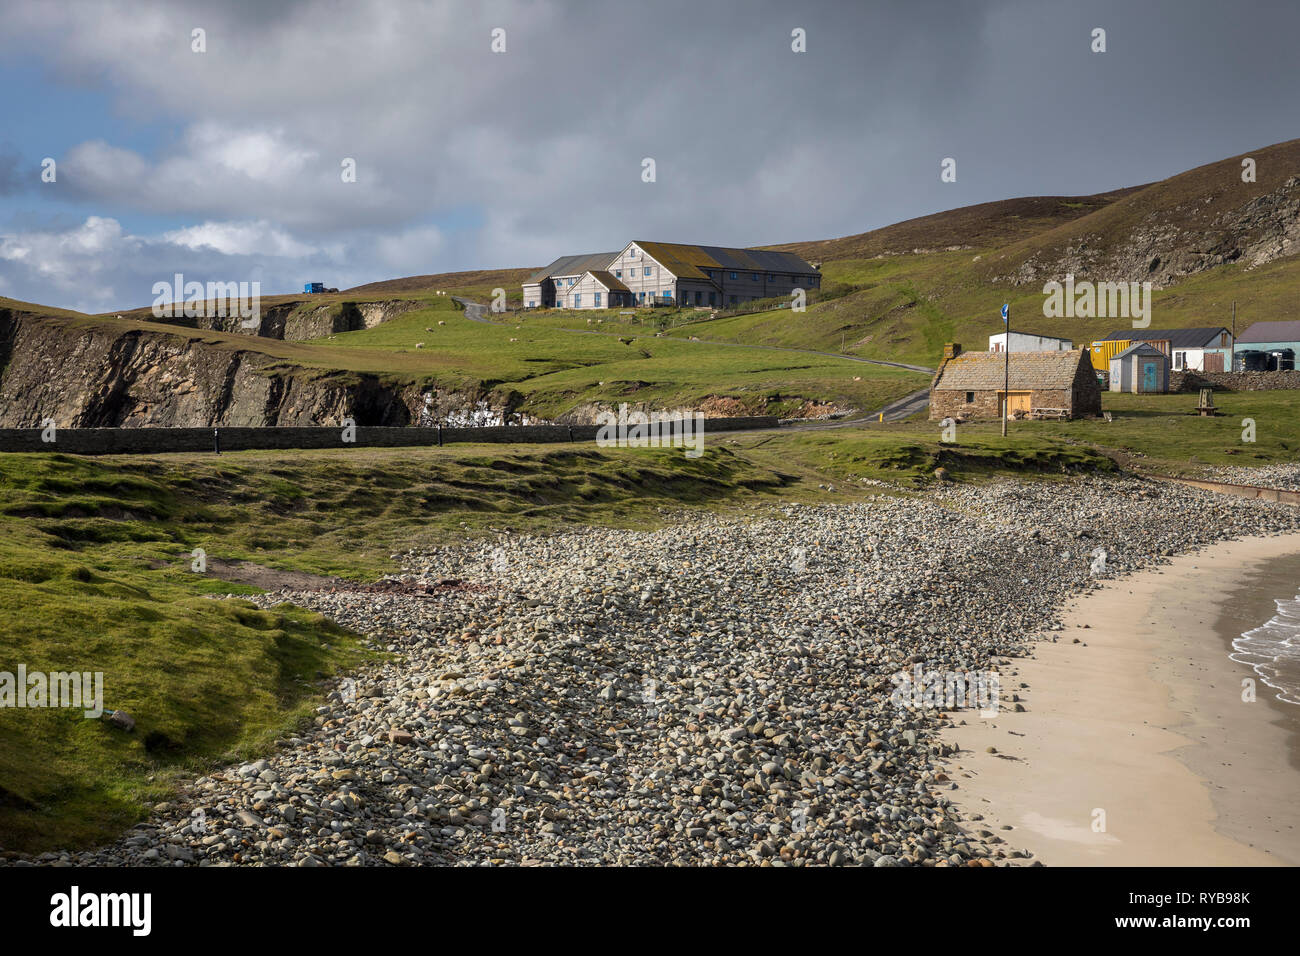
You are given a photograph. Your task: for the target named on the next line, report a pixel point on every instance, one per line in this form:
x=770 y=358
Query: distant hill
x=1194 y=221
x=969 y=227
x=476 y=282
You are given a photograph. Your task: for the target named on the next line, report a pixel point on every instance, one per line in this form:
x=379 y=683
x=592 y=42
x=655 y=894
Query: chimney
x=951 y=350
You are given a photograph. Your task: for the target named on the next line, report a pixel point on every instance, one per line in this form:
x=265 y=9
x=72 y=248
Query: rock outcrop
x=91 y=374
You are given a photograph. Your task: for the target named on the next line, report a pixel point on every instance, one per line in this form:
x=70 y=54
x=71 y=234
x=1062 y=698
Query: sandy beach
x=1135 y=746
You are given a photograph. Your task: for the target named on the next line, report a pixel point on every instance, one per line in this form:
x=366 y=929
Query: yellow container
x=1103 y=352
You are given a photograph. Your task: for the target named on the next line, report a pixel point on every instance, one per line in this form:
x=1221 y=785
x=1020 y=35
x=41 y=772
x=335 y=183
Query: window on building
x=754 y=276
x=713 y=298
x=668 y=293
x=577 y=300
x=647 y=270
x=970 y=398
x=1180 y=360
x=733 y=275
x=596 y=299
x=771 y=278
x=618 y=274
x=559 y=301
x=640 y=296
x=699 y=298
x=531 y=304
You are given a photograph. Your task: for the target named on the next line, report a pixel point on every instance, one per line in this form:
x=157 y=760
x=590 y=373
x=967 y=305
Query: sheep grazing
x=419 y=345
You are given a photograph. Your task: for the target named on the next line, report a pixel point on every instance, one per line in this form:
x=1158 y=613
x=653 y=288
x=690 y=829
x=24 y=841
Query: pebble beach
x=718 y=691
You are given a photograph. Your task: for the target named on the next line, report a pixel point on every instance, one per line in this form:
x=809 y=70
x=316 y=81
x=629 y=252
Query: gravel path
x=715 y=692
x=1285 y=477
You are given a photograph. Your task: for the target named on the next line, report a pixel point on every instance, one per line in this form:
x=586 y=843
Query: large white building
x=1029 y=342
x=668 y=273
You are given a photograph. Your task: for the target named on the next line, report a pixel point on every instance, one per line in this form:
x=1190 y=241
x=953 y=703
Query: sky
x=507 y=133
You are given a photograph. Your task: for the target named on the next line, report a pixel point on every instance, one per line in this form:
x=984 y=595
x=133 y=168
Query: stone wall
x=945 y=403
x=1233 y=381
x=128 y=441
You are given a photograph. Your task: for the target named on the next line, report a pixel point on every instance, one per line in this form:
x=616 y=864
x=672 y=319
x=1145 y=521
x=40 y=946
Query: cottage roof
x=974 y=371
x=1178 y=338
x=573 y=266
x=689 y=262
x=1037 y=335
x=1271 y=332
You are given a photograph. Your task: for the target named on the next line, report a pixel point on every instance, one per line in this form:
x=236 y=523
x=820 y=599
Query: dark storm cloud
x=511 y=159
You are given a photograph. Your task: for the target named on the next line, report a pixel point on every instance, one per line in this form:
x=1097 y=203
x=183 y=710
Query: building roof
x=1177 y=338
x=573 y=266
x=1271 y=332
x=1139 y=347
x=608 y=281
x=975 y=371
x=689 y=262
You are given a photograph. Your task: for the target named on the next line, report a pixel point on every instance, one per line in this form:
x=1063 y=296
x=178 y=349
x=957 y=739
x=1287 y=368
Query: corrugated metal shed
x=972 y=371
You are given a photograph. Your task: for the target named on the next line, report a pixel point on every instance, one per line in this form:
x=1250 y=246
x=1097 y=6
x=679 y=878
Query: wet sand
x=1143 y=720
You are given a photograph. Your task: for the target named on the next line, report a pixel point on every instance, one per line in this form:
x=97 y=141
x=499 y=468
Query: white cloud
x=239 y=239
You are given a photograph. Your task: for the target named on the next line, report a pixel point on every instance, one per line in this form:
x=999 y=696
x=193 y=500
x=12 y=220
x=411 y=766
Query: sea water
x=1273 y=650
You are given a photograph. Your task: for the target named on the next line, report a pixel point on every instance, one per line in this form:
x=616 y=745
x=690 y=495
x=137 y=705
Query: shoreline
x=1136 y=710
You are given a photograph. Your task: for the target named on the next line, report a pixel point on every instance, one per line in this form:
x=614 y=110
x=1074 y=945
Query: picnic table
x=1060 y=414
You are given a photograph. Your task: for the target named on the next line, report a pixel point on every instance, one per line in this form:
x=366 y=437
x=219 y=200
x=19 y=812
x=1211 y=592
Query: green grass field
x=889 y=316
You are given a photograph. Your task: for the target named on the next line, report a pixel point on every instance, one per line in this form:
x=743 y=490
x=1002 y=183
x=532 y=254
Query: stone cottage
x=970 y=385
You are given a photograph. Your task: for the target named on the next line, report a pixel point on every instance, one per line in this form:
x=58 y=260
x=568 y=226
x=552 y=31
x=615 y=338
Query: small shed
x=1140 y=368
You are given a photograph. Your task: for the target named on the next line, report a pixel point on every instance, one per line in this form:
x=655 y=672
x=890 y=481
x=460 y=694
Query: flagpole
x=1006 y=371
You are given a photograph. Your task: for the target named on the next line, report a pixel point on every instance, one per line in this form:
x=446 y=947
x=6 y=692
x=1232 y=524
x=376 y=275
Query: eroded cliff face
x=96 y=376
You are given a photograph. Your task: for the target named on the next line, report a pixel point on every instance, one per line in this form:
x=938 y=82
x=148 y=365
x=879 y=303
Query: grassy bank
x=95 y=562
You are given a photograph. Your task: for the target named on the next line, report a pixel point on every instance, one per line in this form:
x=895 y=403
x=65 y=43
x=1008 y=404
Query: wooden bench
x=1060 y=414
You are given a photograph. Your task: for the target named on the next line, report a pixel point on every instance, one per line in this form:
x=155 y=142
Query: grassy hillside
x=477 y=285
x=556 y=370
x=982 y=226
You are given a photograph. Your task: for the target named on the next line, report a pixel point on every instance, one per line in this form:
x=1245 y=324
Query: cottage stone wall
x=946 y=403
